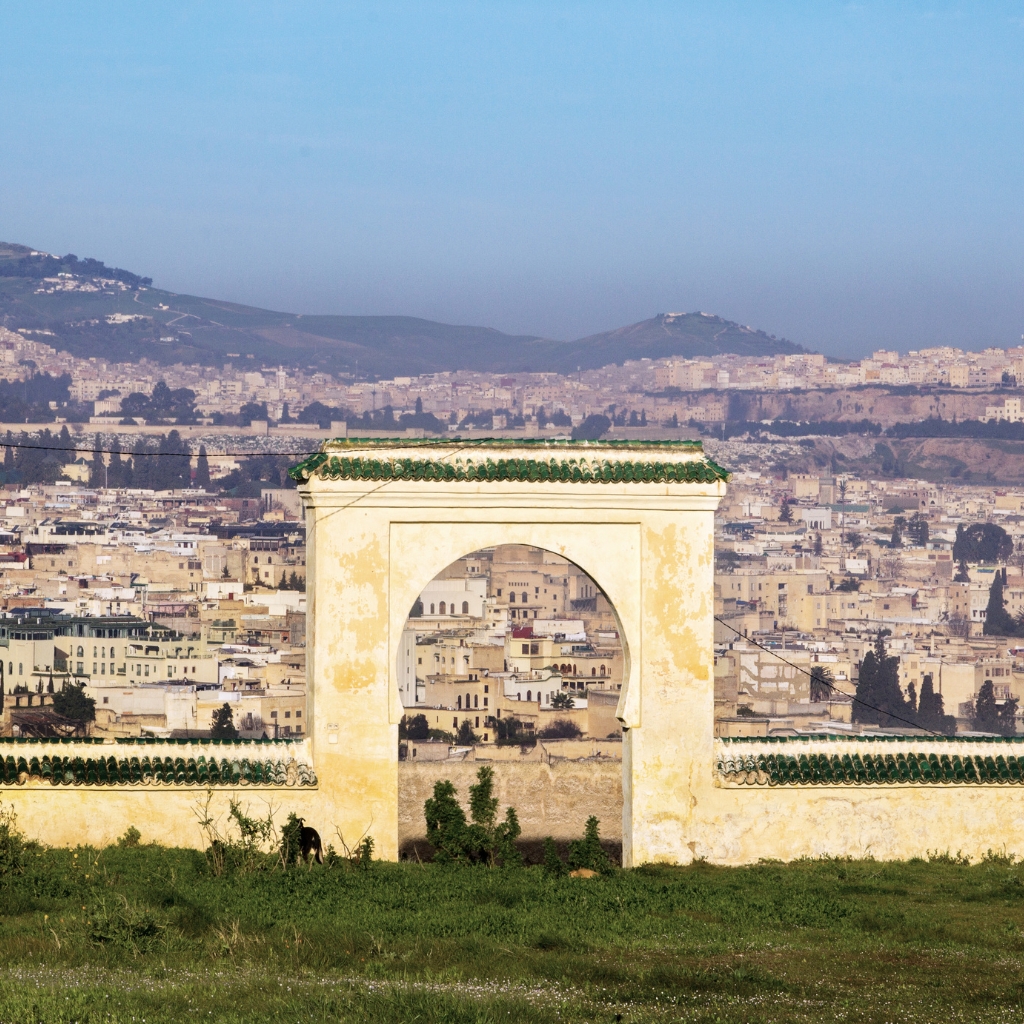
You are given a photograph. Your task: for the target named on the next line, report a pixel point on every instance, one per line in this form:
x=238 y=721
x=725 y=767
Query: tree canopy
x=879 y=698
x=981 y=542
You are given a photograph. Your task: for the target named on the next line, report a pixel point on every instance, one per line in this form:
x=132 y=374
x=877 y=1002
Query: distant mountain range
x=88 y=309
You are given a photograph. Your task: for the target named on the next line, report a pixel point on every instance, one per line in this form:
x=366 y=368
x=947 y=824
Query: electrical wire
x=824 y=682
x=384 y=483
x=428 y=443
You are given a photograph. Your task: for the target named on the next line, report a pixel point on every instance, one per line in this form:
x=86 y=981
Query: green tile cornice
x=916 y=767
x=148 y=770
x=332 y=463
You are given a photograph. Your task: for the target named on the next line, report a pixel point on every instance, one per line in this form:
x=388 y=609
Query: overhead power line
x=824 y=682
x=77 y=449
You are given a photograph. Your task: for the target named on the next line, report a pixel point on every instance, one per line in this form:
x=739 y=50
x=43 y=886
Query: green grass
x=149 y=934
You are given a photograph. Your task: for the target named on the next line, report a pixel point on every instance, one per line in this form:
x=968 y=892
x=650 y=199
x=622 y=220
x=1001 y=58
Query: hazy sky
x=846 y=175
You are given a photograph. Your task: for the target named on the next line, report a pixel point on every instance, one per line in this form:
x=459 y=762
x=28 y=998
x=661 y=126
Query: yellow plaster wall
x=166 y=814
x=740 y=826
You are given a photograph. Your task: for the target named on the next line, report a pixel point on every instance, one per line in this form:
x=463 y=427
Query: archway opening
x=513 y=656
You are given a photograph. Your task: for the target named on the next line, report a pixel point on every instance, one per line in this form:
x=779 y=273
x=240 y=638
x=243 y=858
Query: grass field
x=149 y=933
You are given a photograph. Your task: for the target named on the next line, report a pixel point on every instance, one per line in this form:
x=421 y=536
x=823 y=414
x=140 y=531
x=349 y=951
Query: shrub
x=364 y=854
x=131 y=838
x=446 y=824
x=72 y=703
x=485 y=840
x=561 y=729
x=291 y=841
x=12 y=844
x=553 y=864
x=588 y=851
x=245 y=853
x=123 y=924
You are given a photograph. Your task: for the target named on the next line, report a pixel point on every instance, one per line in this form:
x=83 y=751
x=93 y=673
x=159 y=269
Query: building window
x=512 y=598
x=442 y=608
x=287 y=714
x=476 y=701
x=106 y=700
x=273 y=714
x=485 y=702
x=459 y=703
x=298 y=714
x=465 y=607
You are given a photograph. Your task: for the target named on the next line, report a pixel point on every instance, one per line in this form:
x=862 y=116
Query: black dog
x=309 y=844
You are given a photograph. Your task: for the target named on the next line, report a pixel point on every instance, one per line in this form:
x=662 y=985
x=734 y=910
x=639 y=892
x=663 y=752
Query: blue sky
x=845 y=175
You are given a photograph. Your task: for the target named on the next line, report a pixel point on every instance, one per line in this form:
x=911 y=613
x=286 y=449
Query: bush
x=291 y=840
x=71 y=702
x=131 y=838
x=561 y=729
x=553 y=864
x=12 y=844
x=485 y=840
x=588 y=851
x=592 y=428
x=123 y=924
x=364 y=854
x=243 y=854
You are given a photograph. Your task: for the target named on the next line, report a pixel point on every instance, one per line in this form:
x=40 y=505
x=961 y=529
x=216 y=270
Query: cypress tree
x=879 y=698
x=67 y=444
x=202 y=469
x=998 y=621
x=97 y=471
x=986 y=711
x=117 y=471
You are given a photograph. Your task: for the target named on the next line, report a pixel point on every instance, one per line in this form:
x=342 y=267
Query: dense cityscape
x=153 y=511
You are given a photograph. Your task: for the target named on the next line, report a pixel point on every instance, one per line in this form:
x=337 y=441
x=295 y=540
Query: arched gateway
x=384 y=517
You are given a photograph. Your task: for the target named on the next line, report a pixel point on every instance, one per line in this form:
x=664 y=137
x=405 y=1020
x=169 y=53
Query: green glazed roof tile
x=580 y=468
x=130 y=771
x=868 y=769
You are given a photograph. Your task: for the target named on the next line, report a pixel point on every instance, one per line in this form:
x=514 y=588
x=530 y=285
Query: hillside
x=680 y=334
x=88 y=309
